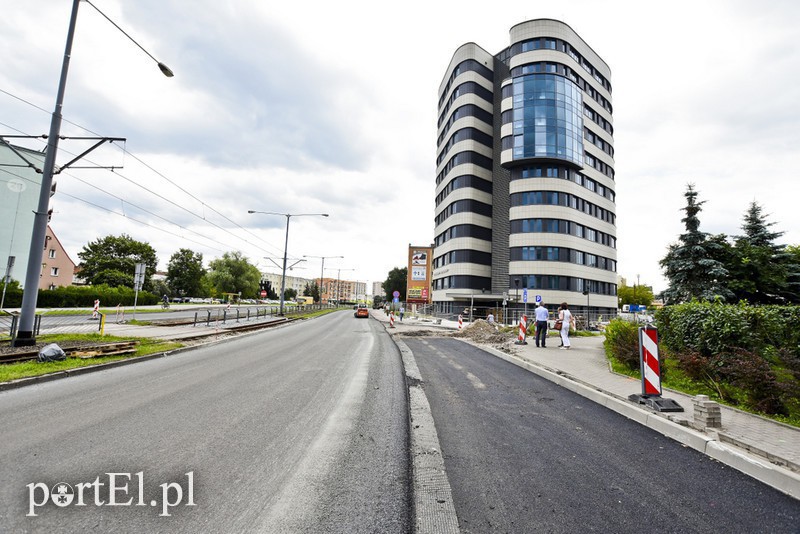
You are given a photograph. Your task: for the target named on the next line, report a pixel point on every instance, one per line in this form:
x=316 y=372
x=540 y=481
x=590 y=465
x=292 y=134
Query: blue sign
x=396 y=300
x=538 y=299
x=525 y=295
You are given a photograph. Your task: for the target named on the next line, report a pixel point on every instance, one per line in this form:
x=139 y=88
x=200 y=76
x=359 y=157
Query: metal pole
x=285 y=251
x=321 y=274
x=31 y=290
x=471 y=305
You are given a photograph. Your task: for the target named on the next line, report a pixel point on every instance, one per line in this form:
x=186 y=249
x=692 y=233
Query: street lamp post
x=586 y=292
x=322 y=271
x=286 y=243
x=30 y=295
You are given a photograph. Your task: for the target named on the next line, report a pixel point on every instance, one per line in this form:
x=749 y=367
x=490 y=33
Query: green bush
x=81 y=297
x=748 y=354
x=711 y=327
x=622 y=342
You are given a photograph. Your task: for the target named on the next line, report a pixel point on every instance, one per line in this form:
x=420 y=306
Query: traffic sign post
x=650 y=367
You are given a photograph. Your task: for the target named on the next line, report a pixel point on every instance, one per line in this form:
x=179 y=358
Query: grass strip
x=13 y=371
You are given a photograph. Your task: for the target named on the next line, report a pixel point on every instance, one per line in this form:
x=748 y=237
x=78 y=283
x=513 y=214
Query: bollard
x=460 y=321
x=195 y=319
x=391 y=320
x=208 y=319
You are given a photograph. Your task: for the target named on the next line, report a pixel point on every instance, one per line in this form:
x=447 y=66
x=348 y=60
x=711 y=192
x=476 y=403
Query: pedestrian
x=402 y=311
x=541 y=325
x=567 y=320
x=490 y=318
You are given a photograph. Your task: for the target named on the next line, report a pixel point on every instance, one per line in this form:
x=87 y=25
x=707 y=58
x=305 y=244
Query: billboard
x=418 y=283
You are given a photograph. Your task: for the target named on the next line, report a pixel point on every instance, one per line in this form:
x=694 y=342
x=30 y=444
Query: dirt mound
x=481 y=331
x=418 y=333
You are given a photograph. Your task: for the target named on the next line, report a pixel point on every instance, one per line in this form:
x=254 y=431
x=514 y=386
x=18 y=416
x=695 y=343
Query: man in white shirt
x=541 y=324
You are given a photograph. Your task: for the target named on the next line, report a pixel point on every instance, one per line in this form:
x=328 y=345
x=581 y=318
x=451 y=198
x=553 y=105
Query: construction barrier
x=96 y=308
x=650 y=366
x=391 y=320
x=650 y=363
x=460 y=321
x=523 y=330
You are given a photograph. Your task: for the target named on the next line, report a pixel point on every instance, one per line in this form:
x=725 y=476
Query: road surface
x=298 y=429
x=524 y=455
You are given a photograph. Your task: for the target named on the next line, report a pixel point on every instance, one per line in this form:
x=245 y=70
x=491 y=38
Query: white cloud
x=331 y=107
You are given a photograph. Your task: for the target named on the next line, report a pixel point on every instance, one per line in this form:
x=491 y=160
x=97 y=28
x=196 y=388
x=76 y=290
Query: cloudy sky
x=330 y=107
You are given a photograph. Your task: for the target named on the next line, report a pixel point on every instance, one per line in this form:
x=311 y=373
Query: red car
x=361 y=311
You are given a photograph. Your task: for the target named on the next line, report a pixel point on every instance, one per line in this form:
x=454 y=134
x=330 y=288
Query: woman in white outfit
x=565 y=316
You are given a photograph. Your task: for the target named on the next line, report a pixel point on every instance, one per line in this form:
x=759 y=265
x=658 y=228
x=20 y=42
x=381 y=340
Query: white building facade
x=525 y=185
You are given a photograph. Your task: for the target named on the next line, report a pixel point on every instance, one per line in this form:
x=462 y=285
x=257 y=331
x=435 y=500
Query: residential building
x=377 y=290
x=292 y=282
x=525 y=191
x=20 y=185
x=57 y=268
x=336 y=289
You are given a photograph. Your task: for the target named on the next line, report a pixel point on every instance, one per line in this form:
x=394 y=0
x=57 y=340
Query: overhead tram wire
x=136 y=220
x=156 y=172
x=129 y=217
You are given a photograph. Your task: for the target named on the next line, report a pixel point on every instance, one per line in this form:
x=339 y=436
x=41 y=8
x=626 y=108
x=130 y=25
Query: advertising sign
x=418 y=282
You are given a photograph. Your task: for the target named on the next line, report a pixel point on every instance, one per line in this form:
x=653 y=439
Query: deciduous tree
x=232 y=273
x=112 y=260
x=396 y=281
x=185 y=273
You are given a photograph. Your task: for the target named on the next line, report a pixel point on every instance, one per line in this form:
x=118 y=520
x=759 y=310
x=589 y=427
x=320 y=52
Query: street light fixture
x=322 y=271
x=30 y=295
x=586 y=292
x=286 y=243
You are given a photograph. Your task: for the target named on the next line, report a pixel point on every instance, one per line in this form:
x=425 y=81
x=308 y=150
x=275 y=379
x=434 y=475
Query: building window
x=548 y=119
x=54 y=271
x=51 y=253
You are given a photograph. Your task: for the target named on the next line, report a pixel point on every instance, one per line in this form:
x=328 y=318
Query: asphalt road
x=524 y=455
x=298 y=429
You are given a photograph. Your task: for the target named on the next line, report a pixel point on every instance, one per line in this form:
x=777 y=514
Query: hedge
x=747 y=355
x=81 y=297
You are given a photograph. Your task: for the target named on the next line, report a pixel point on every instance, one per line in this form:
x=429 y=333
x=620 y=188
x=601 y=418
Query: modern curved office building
x=525 y=191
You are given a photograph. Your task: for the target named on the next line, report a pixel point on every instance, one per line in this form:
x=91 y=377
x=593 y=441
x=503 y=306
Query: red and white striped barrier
x=651 y=366
x=460 y=321
x=651 y=374
x=523 y=330
x=96 y=308
x=391 y=320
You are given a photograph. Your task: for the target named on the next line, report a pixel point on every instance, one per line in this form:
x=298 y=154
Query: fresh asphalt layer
x=763 y=449
x=525 y=455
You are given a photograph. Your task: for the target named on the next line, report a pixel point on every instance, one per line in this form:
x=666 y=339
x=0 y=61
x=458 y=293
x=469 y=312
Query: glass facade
x=548 y=118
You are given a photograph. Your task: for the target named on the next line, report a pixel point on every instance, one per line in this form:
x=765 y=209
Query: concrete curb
x=434 y=510
x=780 y=478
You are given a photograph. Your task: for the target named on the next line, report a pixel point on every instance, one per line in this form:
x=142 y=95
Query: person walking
x=402 y=312
x=567 y=320
x=541 y=325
